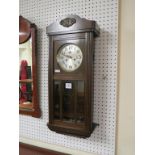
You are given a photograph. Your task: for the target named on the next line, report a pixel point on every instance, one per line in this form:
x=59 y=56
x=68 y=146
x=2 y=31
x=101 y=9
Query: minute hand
x=68 y=56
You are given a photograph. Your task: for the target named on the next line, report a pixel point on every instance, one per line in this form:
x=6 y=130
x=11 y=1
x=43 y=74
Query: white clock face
x=69 y=57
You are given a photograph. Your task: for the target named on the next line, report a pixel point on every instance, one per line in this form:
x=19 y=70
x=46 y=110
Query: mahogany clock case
x=71 y=93
x=28 y=101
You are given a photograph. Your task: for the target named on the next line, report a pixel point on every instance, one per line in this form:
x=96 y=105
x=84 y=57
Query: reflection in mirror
x=28 y=99
x=25 y=74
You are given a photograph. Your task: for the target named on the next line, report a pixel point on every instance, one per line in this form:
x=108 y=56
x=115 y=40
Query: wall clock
x=70 y=76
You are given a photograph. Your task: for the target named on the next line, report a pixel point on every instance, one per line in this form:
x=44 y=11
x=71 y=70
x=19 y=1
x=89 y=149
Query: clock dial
x=69 y=57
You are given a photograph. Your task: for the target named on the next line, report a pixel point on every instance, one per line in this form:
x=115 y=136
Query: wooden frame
x=27 y=149
x=28 y=31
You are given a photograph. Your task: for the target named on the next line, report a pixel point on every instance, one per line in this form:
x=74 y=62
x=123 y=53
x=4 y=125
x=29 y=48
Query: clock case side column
x=89 y=82
x=50 y=82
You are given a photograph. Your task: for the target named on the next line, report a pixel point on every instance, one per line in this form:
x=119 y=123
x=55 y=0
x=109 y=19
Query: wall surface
x=105 y=12
x=125 y=134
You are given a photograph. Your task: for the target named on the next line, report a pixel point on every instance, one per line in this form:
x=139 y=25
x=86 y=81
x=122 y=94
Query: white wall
x=105 y=12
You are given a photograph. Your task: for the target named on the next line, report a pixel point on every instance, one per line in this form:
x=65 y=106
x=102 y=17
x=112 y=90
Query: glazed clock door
x=69 y=81
x=69 y=99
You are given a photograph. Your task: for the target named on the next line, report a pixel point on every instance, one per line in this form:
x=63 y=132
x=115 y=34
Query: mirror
x=28 y=101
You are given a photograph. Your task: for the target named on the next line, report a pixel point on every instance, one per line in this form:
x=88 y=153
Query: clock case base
x=72 y=132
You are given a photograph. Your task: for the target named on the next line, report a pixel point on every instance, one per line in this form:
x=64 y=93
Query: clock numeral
x=70 y=47
x=64 y=52
x=61 y=57
x=63 y=62
x=78 y=62
x=75 y=48
x=78 y=57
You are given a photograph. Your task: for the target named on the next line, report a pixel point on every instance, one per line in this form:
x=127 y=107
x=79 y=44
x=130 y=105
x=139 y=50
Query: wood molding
x=26 y=149
x=54 y=147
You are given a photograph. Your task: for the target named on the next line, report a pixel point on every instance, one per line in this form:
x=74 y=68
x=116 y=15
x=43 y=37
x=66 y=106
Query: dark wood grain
x=80 y=33
x=81 y=25
x=26 y=149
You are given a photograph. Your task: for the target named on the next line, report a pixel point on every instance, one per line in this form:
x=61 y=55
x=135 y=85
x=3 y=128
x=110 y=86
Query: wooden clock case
x=77 y=119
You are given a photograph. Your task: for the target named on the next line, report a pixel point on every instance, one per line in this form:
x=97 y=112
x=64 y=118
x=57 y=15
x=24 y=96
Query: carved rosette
x=67 y=22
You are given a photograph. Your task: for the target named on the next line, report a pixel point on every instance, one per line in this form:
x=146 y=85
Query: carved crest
x=67 y=22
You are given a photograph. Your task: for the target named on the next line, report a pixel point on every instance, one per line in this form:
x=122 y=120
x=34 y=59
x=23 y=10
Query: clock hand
x=68 y=56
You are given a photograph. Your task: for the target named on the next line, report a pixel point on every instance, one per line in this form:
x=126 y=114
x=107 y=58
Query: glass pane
x=80 y=101
x=25 y=95
x=25 y=60
x=68 y=101
x=57 y=96
x=25 y=75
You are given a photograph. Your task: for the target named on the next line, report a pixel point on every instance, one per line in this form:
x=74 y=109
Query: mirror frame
x=27 y=30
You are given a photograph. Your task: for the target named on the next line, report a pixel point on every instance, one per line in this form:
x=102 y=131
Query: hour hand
x=68 y=56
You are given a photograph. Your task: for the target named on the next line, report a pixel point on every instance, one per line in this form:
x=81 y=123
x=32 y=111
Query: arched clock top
x=72 y=24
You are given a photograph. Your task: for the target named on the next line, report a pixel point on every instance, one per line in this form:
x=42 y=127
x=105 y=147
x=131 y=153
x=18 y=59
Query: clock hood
x=72 y=24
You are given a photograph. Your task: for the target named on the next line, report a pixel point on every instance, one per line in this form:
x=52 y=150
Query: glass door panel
x=69 y=101
x=57 y=99
x=80 y=101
